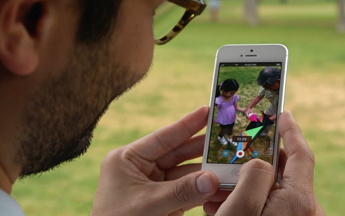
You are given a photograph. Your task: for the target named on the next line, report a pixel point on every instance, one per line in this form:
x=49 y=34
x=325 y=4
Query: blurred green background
x=180 y=81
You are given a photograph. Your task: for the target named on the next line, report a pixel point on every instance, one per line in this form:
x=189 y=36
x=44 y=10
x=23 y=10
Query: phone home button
x=235 y=173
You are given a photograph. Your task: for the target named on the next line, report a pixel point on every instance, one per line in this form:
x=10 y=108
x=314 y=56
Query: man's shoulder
x=262 y=91
x=8 y=206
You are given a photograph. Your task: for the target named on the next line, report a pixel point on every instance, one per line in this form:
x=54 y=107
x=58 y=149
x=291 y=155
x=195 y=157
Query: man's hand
x=143 y=178
x=273 y=118
x=254 y=193
x=248 y=111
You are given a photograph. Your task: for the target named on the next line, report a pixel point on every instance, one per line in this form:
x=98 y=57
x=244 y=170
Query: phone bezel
x=246 y=53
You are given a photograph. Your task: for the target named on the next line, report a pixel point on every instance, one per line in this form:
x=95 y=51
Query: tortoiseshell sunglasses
x=193 y=9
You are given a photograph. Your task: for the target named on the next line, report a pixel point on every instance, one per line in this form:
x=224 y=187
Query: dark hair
x=98 y=17
x=227 y=85
x=268 y=75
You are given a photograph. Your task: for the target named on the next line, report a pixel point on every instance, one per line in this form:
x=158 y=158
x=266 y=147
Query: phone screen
x=244 y=112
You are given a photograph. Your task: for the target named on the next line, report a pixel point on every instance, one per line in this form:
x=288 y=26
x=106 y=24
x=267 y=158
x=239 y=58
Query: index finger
x=300 y=161
x=162 y=141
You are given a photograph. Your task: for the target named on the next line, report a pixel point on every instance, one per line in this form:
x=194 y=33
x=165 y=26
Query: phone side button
x=229 y=187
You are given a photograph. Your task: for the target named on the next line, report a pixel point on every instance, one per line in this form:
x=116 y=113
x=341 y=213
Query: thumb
x=188 y=191
x=251 y=192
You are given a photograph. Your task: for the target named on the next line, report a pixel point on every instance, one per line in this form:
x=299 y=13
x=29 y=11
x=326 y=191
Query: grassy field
x=180 y=81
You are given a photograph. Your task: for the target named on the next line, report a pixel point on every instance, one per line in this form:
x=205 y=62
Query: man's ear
x=20 y=22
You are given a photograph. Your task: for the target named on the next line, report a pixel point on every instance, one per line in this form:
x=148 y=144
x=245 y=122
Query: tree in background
x=251 y=12
x=341 y=16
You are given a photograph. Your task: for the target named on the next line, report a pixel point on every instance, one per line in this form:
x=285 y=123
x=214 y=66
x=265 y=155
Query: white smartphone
x=247 y=98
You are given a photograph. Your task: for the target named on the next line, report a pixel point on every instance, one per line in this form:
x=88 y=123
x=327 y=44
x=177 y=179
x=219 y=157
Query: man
x=63 y=62
x=269 y=82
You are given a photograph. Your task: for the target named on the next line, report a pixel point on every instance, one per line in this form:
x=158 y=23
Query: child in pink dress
x=226 y=102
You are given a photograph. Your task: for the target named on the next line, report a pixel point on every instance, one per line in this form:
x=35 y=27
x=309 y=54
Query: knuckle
x=310 y=209
x=180 y=155
x=303 y=201
x=112 y=157
x=183 y=191
x=258 y=164
x=163 y=143
x=310 y=156
x=292 y=204
x=307 y=206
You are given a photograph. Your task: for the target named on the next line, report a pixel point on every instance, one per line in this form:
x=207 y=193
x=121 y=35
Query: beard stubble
x=61 y=115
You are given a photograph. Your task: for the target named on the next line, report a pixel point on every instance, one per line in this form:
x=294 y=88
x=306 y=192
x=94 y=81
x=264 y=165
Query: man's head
x=61 y=63
x=269 y=78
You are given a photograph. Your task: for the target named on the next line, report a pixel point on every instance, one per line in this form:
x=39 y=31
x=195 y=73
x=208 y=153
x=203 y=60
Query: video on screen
x=245 y=111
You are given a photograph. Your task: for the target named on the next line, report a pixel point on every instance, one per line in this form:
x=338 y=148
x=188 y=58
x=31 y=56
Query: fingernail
x=204 y=183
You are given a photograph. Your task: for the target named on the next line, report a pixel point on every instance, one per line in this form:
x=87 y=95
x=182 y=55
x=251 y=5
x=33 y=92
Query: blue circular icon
x=255 y=154
x=225 y=153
